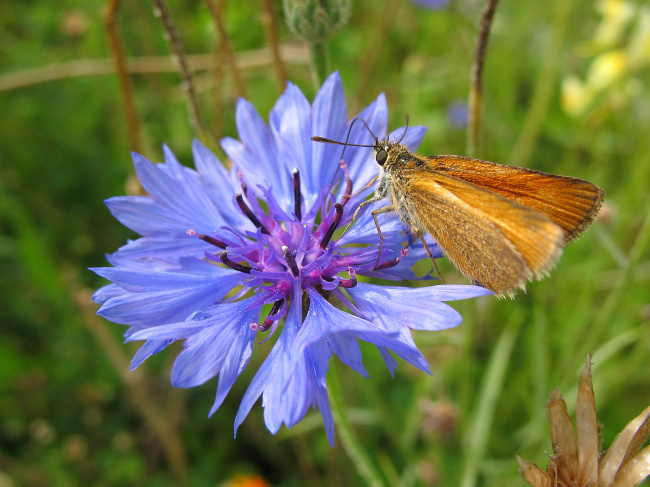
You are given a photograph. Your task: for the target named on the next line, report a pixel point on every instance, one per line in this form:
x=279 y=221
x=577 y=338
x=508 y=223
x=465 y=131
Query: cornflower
x=227 y=255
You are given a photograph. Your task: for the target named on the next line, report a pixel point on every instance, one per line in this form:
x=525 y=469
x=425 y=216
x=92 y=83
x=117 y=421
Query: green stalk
x=353 y=448
x=478 y=432
x=319 y=62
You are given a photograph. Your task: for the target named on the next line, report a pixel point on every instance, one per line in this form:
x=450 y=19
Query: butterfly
x=500 y=225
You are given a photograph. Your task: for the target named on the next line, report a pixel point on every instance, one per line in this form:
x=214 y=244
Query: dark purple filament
x=296 y=194
x=223 y=257
x=338 y=214
x=291 y=261
x=249 y=213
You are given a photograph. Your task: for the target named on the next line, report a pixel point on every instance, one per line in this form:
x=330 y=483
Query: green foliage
x=68 y=414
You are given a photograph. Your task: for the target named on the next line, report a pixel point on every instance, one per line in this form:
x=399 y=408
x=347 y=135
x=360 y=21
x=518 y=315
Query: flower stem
x=122 y=70
x=188 y=85
x=351 y=444
x=478 y=432
x=319 y=62
x=476 y=92
x=271 y=29
x=216 y=9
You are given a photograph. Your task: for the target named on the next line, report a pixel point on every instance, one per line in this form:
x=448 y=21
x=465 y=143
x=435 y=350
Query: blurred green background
x=566 y=91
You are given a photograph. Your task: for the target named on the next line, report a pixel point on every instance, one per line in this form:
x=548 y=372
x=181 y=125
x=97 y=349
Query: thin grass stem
x=475 y=109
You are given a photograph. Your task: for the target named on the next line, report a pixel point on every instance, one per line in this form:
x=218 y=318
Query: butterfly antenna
x=330 y=141
x=405 y=128
x=354 y=120
x=342 y=152
x=371 y=133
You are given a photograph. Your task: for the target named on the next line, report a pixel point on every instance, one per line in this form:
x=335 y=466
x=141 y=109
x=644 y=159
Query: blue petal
x=146 y=217
x=234 y=364
x=105 y=293
x=263 y=159
x=221 y=344
x=150 y=347
x=225 y=343
x=220 y=185
x=168 y=249
x=290 y=123
x=289 y=386
x=210 y=168
x=346 y=346
x=170 y=303
x=145 y=280
x=170 y=331
x=183 y=197
x=325 y=321
x=417 y=308
x=382 y=333
x=271 y=373
x=188 y=185
x=318 y=357
x=389 y=360
x=329 y=119
x=361 y=166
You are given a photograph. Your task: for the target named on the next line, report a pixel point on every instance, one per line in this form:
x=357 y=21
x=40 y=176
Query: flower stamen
x=393 y=262
x=223 y=257
x=348 y=283
x=296 y=195
x=291 y=261
x=249 y=213
x=207 y=238
x=244 y=186
x=268 y=322
x=348 y=183
x=338 y=214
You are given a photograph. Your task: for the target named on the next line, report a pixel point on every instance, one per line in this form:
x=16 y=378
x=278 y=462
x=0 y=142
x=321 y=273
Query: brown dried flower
x=576 y=459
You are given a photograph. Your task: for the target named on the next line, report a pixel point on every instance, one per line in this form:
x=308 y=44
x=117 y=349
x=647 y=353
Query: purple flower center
x=291 y=250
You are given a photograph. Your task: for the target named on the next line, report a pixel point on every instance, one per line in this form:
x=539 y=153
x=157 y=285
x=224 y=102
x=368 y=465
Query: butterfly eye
x=381 y=157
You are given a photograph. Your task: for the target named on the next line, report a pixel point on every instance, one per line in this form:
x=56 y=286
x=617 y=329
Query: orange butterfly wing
x=493 y=241
x=571 y=203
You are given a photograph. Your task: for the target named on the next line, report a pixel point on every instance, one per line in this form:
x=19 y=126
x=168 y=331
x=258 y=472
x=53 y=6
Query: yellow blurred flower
x=576 y=462
x=616 y=17
x=574 y=96
x=619 y=49
x=606 y=69
x=639 y=46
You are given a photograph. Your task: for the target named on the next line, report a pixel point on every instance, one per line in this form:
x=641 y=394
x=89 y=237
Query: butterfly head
x=389 y=153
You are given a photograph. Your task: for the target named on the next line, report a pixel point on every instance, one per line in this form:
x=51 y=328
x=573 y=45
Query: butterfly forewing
x=571 y=203
x=492 y=240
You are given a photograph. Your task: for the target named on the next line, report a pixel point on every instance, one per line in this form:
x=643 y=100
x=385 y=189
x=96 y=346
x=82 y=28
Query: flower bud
x=316 y=20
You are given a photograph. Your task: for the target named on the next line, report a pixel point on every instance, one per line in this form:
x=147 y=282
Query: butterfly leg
x=383 y=209
x=417 y=233
x=374 y=199
x=370 y=183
